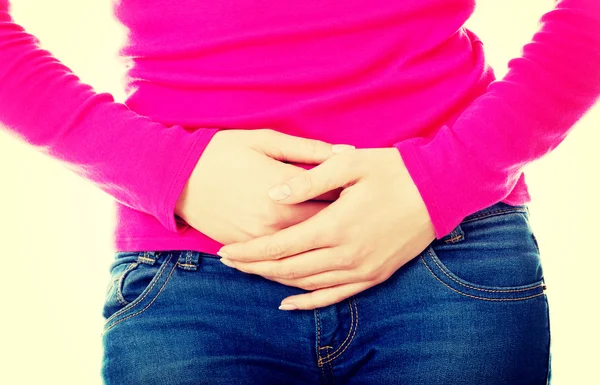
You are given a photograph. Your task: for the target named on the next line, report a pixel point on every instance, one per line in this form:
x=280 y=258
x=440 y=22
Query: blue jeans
x=470 y=309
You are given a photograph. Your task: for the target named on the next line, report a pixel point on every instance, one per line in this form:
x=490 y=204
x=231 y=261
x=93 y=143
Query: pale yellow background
x=56 y=228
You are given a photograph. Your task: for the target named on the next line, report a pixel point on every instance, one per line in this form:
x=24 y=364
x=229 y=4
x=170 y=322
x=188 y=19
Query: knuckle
x=350 y=160
x=345 y=261
x=371 y=275
x=309 y=285
x=281 y=272
x=306 y=183
x=313 y=147
x=335 y=228
x=331 y=236
x=274 y=249
x=316 y=238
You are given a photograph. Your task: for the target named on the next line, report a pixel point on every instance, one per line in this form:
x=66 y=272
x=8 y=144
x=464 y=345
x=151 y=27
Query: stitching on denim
x=330 y=369
x=476 y=288
x=473 y=296
x=456 y=238
x=137 y=301
x=549 y=361
x=146 y=259
x=349 y=329
x=118 y=293
x=334 y=356
x=492 y=213
x=319 y=359
x=147 y=306
x=111 y=285
x=186 y=265
x=134 y=303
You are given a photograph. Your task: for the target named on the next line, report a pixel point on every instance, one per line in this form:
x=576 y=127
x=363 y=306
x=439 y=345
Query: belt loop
x=148 y=257
x=455 y=235
x=188 y=260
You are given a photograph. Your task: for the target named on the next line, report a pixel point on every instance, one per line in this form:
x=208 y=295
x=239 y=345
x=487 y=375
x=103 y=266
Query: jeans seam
x=354 y=325
x=476 y=297
x=493 y=213
x=549 y=362
x=481 y=289
x=118 y=292
x=147 y=306
x=111 y=285
x=330 y=369
x=148 y=291
x=349 y=331
x=319 y=359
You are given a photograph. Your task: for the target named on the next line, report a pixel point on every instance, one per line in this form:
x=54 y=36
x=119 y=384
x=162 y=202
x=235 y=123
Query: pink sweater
x=381 y=73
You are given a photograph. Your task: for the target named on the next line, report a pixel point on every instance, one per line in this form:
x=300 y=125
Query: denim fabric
x=470 y=309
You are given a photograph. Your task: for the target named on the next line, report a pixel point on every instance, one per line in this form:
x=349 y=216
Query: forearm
x=478 y=160
x=141 y=163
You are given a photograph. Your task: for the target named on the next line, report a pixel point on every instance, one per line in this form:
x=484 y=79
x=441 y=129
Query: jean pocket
x=133 y=275
x=492 y=255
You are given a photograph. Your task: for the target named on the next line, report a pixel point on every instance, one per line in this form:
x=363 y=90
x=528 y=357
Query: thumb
x=330 y=175
x=294 y=149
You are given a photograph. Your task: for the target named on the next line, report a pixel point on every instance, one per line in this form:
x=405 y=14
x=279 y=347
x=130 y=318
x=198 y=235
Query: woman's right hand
x=226 y=194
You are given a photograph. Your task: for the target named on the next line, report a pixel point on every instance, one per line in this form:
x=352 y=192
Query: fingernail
x=337 y=148
x=287 y=306
x=223 y=254
x=280 y=192
x=226 y=262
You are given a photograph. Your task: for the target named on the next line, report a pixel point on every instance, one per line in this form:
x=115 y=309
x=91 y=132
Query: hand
x=378 y=224
x=225 y=198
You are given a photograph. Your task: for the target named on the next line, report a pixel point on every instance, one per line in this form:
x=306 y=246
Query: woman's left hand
x=378 y=224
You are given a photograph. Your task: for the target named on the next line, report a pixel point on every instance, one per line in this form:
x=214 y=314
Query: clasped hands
x=378 y=224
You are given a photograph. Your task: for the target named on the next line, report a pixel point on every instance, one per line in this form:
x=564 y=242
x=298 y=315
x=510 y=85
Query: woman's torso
x=368 y=74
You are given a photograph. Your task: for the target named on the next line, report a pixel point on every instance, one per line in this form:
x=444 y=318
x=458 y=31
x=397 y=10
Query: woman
x=409 y=259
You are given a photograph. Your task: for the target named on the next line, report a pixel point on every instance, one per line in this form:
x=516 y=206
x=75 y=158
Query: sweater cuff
x=189 y=158
x=450 y=180
x=425 y=185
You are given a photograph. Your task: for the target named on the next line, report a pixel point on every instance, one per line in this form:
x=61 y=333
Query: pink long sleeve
x=477 y=161
x=373 y=74
x=141 y=163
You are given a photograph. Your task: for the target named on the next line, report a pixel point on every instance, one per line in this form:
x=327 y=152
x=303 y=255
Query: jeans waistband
x=496 y=208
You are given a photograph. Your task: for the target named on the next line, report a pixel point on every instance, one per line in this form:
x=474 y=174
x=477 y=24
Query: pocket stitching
x=147 y=291
x=119 y=283
x=493 y=213
x=476 y=297
x=443 y=269
x=147 y=306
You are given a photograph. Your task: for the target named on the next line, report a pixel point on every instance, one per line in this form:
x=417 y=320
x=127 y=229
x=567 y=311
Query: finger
x=293 y=214
x=308 y=235
x=337 y=172
x=325 y=297
x=294 y=267
x=297 y=169
x=322 y=280
x=288 y=148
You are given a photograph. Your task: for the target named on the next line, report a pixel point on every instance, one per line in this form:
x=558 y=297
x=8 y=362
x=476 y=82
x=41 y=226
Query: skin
x=225 y=196
x=377 y=225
